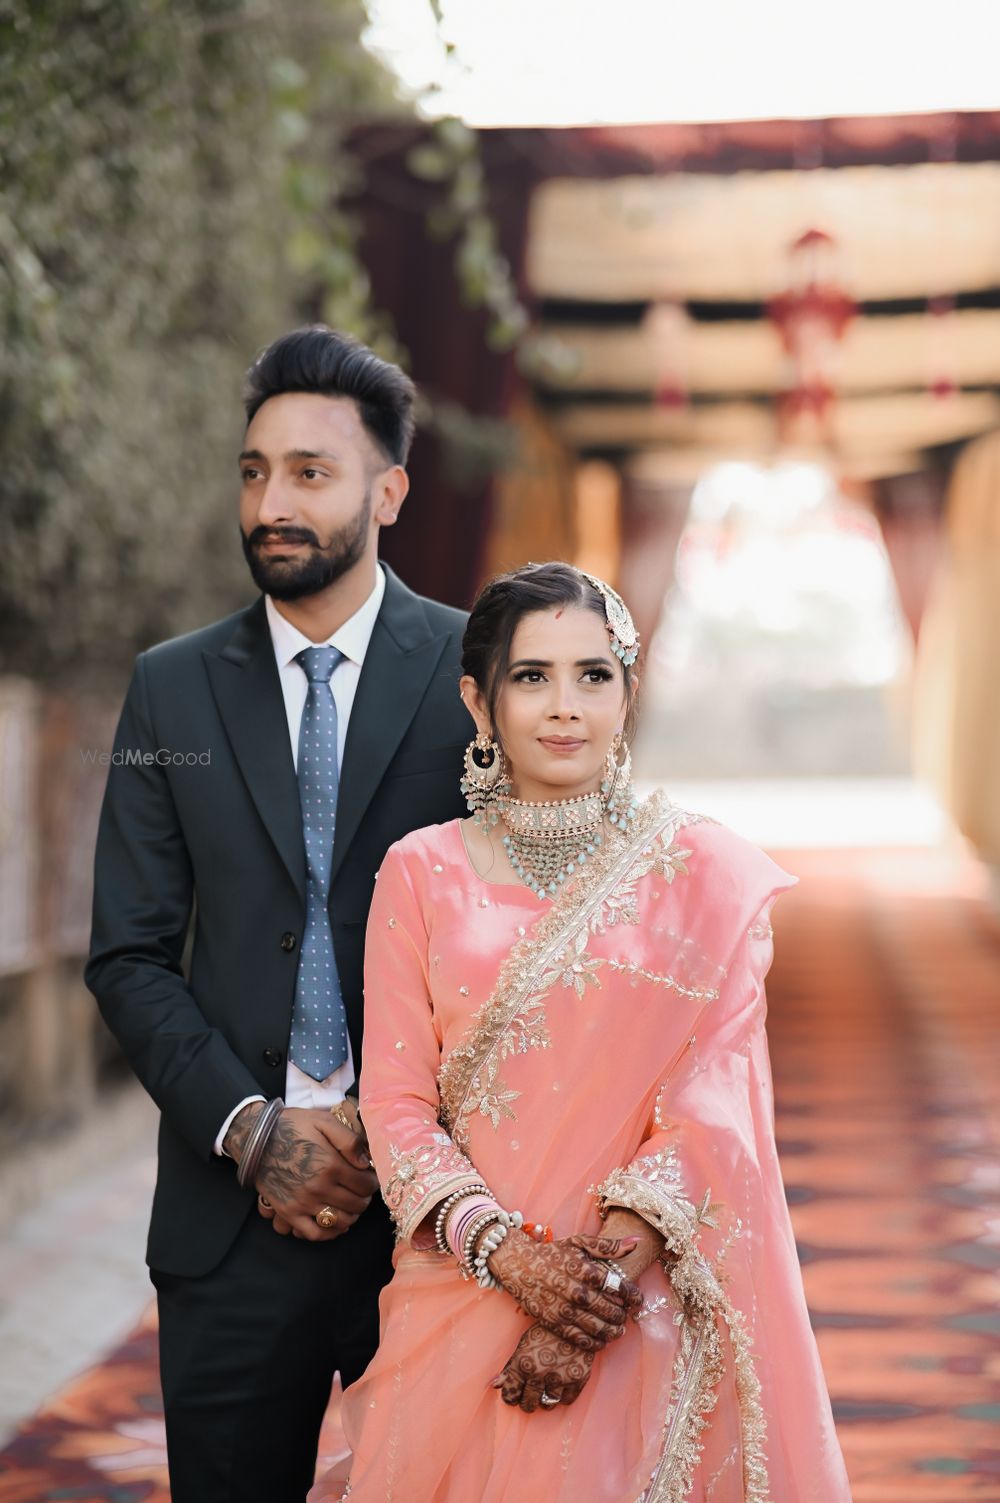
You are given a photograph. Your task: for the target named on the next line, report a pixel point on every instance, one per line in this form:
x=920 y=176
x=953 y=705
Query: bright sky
x=576 y=62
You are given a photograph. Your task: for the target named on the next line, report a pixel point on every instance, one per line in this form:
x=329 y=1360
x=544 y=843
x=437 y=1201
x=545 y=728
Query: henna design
x=543 y=1363
x=560 y=1285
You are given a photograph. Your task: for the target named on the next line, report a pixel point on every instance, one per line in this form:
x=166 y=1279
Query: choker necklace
x=547 y=842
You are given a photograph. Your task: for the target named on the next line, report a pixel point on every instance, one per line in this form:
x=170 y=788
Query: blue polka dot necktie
x=319 y=1023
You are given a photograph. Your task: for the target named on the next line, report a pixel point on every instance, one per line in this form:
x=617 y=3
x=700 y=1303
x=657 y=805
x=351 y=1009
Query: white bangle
x=507 y=1221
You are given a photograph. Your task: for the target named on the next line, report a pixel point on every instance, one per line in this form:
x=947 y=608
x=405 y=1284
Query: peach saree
x=603 y=1050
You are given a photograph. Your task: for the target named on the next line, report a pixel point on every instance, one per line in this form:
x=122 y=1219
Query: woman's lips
x=561 y=746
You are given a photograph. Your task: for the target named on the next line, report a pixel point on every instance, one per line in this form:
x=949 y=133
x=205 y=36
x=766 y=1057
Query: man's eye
x=249 y=473
x=310 y=472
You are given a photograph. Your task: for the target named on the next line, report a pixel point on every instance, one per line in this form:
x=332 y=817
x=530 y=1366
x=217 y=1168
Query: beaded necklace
x=546 y=842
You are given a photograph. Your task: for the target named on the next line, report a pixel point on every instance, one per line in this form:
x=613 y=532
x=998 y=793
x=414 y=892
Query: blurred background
x=704 y=299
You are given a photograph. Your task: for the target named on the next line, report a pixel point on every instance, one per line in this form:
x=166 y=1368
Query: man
x=267 y=763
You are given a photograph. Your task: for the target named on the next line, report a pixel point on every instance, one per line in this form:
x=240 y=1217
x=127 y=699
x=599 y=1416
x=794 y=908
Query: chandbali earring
x=620 y=802
x=485 y=781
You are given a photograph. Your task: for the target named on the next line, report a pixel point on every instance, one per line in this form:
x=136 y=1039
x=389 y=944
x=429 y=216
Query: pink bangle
x=460 y=1217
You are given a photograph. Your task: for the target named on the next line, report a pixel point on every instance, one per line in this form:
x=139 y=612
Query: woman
x=596 y=1295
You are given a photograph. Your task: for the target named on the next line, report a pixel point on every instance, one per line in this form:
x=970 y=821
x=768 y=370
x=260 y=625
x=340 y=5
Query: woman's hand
x=543 y=1364
x=561 y=1284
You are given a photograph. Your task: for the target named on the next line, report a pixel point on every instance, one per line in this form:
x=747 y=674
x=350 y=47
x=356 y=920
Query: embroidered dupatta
x=604 y=1051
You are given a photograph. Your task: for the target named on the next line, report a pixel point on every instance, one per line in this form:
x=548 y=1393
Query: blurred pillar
x=654 y=513
x=439 y=544
x=534 y=513
x=598 y=519
x=957 y=716
x=910 y=510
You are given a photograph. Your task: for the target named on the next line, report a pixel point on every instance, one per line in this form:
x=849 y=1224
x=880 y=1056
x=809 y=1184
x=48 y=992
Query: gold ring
x=326 y=1218
x=341 y=1116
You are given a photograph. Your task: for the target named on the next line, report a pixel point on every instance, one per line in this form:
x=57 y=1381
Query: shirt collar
x=351 y=639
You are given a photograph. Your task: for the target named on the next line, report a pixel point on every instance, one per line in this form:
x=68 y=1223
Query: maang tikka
x=485 y=781
x=621 y=627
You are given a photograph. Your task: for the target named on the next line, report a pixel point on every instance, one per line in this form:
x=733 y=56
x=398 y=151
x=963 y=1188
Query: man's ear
x=391 y=489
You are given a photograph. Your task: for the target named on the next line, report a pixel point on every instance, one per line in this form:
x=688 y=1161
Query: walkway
x=885 y=1034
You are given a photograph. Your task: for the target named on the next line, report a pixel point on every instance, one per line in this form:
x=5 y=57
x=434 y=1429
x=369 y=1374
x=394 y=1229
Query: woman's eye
x=528 y=676
x=598 y=675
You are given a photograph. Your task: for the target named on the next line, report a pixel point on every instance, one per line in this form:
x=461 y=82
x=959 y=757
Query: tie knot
x=318 y=663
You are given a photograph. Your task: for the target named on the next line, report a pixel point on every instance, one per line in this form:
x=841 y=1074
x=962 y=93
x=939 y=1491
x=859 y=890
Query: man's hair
x=338 y=365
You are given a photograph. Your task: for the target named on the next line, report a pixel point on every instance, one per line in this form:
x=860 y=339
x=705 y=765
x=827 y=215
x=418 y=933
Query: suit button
x=288 y=940
x=273 y=1057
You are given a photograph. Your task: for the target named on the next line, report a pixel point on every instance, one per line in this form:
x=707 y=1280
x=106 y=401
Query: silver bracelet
x=440 y=1240
x=487 y=1217
x=260 y=1135
x=503 y=1222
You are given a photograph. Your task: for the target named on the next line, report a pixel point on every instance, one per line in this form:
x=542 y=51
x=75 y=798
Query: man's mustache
x=281 y=534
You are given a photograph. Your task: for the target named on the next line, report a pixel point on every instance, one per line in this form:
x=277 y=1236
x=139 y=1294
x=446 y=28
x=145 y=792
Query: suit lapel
x=399 y=664
x=247 y=690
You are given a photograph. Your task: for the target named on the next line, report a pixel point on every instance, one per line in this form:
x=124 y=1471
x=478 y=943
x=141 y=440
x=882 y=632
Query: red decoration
x=811 y=316
x=941 y=311
x=666 y=325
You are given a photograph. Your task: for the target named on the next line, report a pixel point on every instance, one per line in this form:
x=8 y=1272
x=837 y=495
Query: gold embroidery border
x=533 y=955
x=701 y=1361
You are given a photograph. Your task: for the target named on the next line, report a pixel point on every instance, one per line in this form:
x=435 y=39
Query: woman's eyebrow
x=543 y=663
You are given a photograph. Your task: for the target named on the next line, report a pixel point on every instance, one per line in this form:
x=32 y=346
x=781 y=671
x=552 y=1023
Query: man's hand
x=562 y=1285
x=311 y=1160
x=541 y=1363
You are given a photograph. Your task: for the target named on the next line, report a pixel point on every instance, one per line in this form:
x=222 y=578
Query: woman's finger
x=513 y=1385
x=605 y=1306
x=552 y=1388
x=531 y=1394
x=601 y=1331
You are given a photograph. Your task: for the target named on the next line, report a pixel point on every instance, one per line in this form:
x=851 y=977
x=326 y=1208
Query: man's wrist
x=240 y=1129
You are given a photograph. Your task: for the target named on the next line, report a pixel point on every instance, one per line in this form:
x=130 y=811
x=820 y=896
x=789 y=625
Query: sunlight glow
x=577 y=62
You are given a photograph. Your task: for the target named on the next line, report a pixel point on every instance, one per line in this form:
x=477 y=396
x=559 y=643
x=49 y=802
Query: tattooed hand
x=541 y=1363
x=311 y=1161
x=561 y=1285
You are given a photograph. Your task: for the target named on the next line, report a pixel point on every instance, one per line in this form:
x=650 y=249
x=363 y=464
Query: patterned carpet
x=885 y=1030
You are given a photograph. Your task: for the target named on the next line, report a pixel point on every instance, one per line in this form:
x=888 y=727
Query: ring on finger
x=547 y=1401
x=614 y=1278
x=326 y=1218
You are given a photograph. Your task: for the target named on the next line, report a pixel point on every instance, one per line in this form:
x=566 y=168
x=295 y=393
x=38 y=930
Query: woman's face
x=560 y=703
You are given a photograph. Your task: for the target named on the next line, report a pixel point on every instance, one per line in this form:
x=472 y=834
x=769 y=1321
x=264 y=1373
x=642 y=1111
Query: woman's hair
x=501 y=605
x=320 y=360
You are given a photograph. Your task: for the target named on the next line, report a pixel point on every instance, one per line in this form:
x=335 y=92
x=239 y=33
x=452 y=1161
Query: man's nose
x=275 y=503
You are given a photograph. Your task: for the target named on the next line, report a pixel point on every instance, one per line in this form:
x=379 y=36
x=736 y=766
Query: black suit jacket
x=202 y=810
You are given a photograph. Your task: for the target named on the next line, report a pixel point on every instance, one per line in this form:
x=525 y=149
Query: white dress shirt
x=352 y=640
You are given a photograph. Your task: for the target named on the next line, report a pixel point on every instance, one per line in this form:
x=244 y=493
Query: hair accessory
x=621 y=627
x=485 y=781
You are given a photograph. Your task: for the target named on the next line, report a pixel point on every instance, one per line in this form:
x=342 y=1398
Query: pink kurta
x=604 y=1050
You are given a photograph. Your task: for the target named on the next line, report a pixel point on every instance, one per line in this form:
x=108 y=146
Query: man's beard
x=292 y=578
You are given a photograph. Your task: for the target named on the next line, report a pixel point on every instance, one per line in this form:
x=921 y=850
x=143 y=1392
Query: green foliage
x=167 y=170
